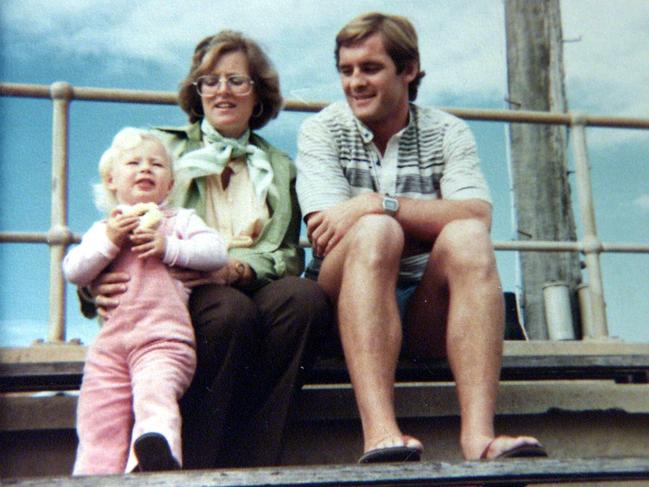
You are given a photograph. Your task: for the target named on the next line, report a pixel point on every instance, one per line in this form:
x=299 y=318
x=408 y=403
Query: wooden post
x=538 y=152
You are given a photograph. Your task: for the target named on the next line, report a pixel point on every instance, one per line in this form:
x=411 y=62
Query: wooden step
x=505 y=472
x=53 y=376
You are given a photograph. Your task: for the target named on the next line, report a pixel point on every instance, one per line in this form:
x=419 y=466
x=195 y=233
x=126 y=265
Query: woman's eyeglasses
x=238 y=85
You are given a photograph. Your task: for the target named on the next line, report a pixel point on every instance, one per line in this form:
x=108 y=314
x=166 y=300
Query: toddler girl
x=143 y=358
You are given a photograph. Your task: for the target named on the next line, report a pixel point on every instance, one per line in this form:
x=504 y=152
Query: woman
x=255 y=322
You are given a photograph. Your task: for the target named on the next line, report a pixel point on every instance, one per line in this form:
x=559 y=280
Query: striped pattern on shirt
x=437 y=158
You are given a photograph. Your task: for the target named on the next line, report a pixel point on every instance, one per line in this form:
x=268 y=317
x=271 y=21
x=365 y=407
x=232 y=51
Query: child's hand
x=149 y=243
x=119 y=226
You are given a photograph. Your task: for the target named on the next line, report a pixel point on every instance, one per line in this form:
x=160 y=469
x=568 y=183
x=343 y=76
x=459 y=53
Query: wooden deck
x=510 y=472
x=628 y=369
x=587 y=403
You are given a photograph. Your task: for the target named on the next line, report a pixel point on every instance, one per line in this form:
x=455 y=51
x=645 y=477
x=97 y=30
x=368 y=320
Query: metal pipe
x=504 y=245
x=625 y=247
x=592 y=245
x=170 y=98
x=59 y=234
x=538 y=246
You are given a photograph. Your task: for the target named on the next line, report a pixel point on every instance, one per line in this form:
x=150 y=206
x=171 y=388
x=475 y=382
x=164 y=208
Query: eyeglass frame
x=247 y=79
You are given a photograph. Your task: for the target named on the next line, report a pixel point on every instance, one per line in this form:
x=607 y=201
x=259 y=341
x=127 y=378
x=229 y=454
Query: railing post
x=59 y=235
x=592 y=246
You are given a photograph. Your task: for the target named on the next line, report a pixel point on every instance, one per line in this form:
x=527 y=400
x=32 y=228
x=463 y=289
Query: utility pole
x=539 y=164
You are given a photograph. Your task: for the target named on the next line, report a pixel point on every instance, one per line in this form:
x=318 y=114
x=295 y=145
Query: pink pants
x=135 y=373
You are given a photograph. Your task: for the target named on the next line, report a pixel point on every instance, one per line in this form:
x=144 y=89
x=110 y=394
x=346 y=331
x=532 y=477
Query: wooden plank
x=538 y=471
x=50 y=376
x=623 y=368
x=55 y=376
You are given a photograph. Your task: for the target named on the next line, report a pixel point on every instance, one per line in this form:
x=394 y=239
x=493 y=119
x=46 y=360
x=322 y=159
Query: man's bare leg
x=461 y=288
x=360 y=275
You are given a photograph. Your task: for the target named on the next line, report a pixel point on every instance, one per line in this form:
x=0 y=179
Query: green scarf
x=213 y=158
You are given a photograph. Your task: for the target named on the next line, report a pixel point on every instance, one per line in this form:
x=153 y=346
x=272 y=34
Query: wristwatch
x=390 y=205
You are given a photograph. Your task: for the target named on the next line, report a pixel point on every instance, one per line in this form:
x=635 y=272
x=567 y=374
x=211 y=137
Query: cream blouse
x=231 y=206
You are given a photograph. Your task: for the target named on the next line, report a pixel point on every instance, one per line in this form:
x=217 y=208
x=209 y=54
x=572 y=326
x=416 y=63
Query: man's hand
x=326 y=228
x=118 y=227
x=106 y=289
x=149 y=243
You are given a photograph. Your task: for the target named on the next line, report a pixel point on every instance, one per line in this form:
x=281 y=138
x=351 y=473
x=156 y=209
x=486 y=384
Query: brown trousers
x=252 y=350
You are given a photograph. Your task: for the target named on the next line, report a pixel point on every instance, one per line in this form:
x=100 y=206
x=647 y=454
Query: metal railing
x=59 y=236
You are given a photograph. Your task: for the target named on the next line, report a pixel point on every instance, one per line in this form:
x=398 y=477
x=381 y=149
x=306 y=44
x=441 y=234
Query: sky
x=148 y=45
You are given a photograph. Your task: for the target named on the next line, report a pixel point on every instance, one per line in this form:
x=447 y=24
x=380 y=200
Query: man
x=397 y=206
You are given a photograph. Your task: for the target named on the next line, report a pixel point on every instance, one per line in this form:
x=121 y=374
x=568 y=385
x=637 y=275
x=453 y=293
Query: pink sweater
x=190 y=244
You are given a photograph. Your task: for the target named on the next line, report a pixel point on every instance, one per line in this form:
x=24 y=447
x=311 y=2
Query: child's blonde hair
x=126 y=139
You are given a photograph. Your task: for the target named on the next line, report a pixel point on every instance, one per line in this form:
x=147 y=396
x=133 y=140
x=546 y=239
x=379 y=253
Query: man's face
x=374 y=90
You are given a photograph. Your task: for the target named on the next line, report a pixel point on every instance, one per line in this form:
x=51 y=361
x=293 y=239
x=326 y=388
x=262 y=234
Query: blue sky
x=148 y=44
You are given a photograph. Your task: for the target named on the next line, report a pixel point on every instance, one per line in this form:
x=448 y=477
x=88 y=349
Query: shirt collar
x=366 y=134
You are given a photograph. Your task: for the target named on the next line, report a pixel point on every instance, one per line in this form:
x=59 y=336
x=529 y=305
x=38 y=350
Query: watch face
x=390 y=205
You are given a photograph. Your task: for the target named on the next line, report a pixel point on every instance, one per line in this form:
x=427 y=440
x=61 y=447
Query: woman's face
x=227 y=112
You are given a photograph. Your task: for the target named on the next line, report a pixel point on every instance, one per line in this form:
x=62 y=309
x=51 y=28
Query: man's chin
x=364 y=113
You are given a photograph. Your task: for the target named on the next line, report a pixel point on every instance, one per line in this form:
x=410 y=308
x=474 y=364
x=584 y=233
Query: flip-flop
x=392 y=454
x=524 y=451
x=521 y=451
x=153 y=453
x=527 y=450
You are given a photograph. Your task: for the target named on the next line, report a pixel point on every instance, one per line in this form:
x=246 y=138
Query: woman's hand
x=149 y=243
x=106 y=289
x=234 y=273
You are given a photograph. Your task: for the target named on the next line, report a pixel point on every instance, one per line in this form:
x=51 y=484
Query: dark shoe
x=153 y=453
x=391 y=454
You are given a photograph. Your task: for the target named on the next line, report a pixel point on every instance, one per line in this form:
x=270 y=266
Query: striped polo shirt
x=434 y=156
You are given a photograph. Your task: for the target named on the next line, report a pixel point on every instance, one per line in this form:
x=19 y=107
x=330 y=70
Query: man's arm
x=423 y=220
x=326 y=228
x=324 y=192
x=464 y=191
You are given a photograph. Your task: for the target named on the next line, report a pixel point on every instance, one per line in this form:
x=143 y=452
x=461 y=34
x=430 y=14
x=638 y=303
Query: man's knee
x=465 y=245
x=376 y=239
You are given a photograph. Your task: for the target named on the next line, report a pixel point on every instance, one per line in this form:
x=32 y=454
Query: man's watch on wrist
x=390 y=205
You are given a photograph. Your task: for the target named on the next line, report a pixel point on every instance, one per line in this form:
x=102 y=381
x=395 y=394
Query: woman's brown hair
x=266 y=81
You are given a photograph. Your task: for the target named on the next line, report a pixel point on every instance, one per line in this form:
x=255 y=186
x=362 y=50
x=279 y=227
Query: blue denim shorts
x=405 y=290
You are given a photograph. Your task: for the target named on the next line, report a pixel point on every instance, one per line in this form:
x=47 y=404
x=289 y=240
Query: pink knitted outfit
x=143 y=359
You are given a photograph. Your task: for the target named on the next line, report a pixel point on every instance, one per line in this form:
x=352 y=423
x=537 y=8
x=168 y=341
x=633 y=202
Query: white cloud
x=608 y=64
x=642 y=202
x=298 y=34
x=462 y=43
